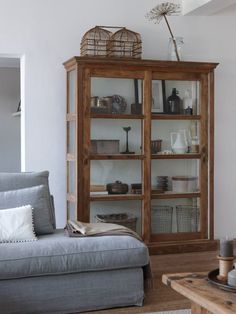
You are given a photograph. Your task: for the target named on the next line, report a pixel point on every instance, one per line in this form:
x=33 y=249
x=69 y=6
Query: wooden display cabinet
x=175 y=206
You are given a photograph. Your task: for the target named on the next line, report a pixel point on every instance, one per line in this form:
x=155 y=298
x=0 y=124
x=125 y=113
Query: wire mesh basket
x=94 y=42
x=162 y=219
x=120 y=219
x=125 y=43
x=187 y=218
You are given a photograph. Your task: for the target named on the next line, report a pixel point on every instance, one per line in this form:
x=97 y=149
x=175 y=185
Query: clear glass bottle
x=187 y=103
x=171 y=50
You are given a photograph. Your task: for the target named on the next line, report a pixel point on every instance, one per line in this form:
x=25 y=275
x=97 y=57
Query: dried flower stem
x=162 y=10
x=173 y=38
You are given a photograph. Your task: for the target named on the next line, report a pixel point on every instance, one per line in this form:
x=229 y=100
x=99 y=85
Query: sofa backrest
x=21 y=180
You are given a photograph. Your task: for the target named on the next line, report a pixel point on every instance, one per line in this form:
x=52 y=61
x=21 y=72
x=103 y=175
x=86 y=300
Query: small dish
x=212 y=278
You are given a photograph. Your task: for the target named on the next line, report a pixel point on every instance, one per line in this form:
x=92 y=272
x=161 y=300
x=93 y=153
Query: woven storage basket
x=125 y=43
x=94 y=42
x=120 y=219
x=187 y=218
x=162 y=219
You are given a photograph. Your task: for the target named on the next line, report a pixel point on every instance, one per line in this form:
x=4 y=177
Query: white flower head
x=166 y=8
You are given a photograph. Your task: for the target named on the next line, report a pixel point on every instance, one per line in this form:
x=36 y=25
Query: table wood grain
x=205 y=297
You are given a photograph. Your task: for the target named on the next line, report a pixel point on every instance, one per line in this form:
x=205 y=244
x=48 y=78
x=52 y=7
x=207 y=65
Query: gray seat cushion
x=37 y=197
x=59 y=254
x=14 y=181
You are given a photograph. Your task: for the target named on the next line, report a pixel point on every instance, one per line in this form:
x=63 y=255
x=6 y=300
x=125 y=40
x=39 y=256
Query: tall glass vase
x=172 y=53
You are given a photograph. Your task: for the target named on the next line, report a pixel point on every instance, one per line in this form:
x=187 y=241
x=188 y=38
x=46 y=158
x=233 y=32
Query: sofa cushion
x=35 y=196
x=14 y=181
x=59 y=254
x=16 y=224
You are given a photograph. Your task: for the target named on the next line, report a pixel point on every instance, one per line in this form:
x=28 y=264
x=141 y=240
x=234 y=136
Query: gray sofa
x=58 y=274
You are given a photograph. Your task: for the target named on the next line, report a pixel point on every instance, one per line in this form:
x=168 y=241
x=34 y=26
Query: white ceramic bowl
x=232 y=277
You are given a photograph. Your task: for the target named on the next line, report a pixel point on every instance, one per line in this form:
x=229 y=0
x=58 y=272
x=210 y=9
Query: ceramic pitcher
x=179 y=143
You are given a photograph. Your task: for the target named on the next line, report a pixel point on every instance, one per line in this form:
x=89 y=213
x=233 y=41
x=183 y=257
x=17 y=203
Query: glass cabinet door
x=177 y=160
x=116 y=150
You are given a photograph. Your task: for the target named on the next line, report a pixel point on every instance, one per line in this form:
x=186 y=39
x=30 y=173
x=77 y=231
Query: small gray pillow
x=22 y=180
x=37 y=197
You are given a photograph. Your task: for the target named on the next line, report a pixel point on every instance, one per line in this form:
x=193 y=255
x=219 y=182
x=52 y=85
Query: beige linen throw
x=76 y=228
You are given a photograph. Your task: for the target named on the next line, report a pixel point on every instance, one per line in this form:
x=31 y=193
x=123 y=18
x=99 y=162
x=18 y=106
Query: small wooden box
x=105 y=146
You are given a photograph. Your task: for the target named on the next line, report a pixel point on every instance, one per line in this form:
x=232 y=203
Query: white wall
x=9 y=126
x=48 y=32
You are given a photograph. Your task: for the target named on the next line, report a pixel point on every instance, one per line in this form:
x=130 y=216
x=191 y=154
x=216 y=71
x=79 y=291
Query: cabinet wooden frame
x=146 y=70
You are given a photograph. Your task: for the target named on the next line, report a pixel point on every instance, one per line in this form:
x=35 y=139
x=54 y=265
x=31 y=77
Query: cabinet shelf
x=71 y=157
x=116 y=197
x=115 y=116
x=116 y=157
x=169 y=195
x=175 y=117
x=140 y=157
x=141 y=116
x=71 y=197
x=177 y=156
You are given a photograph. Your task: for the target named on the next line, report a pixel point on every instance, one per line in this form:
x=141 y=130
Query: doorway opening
x=10 y=114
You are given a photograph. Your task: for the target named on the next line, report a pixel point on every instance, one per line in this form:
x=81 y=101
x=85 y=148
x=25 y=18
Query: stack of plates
x=162 y=183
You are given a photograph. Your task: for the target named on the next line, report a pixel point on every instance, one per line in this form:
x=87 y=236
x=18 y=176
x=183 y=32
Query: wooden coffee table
x=205 y=297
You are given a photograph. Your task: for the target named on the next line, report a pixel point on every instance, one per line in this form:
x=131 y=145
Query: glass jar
x=172 y=51
x=195 y=144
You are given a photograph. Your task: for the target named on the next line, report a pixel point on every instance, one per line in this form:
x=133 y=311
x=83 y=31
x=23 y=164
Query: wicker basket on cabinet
x=94 y=42
x=125 y=44
x=120 y=219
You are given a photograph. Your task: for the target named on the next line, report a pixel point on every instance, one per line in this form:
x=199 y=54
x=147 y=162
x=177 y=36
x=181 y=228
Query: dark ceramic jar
x=117 y=188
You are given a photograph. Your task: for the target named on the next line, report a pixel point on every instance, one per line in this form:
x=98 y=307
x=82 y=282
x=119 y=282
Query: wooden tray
x=212 y=278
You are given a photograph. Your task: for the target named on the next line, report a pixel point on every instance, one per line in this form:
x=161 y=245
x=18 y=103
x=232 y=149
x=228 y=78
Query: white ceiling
x=9 y=62
x=205 y=7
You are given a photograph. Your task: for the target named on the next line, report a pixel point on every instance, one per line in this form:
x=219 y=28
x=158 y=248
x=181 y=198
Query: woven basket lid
x=97 y=33
x=125 y=34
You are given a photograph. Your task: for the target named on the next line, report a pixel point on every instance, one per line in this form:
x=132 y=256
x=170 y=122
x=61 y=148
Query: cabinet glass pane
x=175 y=136
x=132 y=210
x=71 y=211
x=108 y=171
x=175 y=215
x=71 y=177
x=71 y=91
x=175 y=97
x=116 y=95
x=109 y=136
x=71 y=144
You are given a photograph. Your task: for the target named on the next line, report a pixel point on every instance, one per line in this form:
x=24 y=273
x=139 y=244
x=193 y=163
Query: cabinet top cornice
x=142 y=64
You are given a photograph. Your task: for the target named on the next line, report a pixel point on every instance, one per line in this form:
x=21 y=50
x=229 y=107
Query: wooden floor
x=163 y=298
